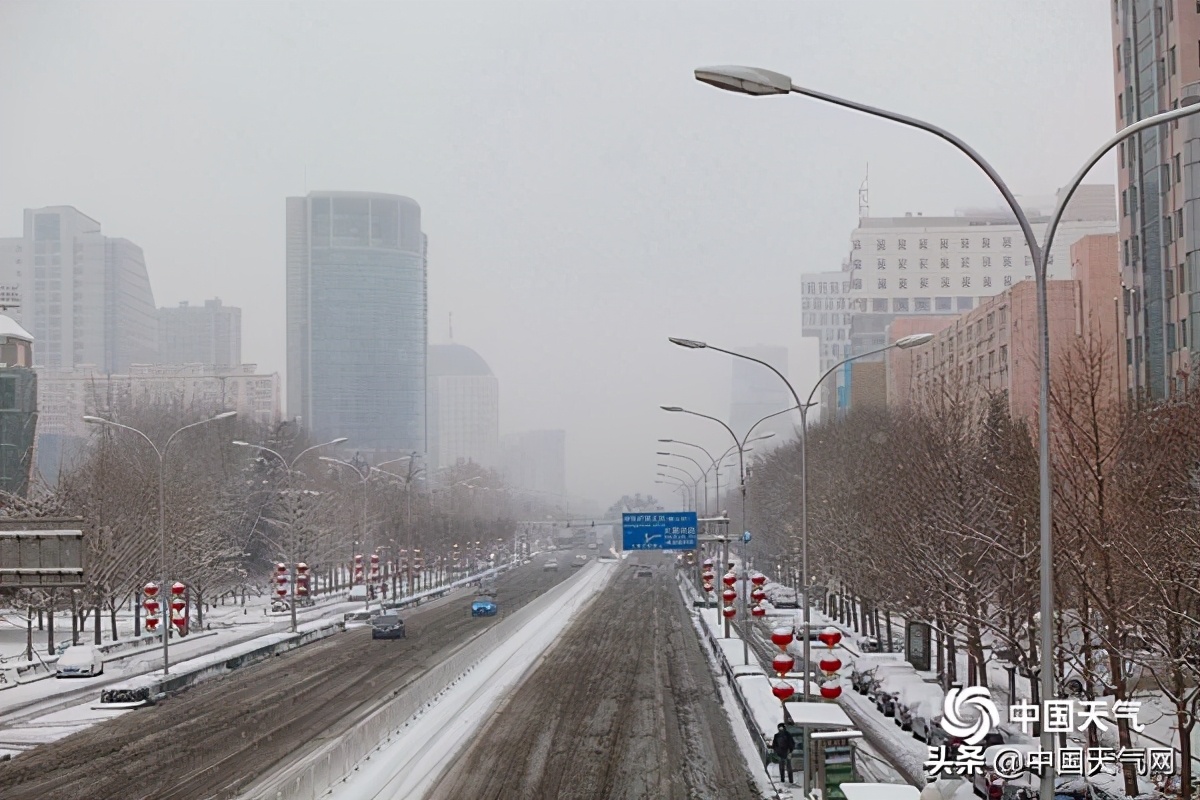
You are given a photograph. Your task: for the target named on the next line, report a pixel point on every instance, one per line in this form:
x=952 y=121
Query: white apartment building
x=463 y=407
x=938 y=265
x=826 y=305
x=64 y=396
x=85 y=297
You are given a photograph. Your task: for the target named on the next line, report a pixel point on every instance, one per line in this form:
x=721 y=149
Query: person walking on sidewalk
x=783 y=744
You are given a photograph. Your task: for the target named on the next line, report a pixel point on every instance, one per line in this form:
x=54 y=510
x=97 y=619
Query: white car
x=80 y=661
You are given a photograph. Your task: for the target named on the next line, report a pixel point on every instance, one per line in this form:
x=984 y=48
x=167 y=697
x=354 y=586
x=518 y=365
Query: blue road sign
x=660 y=531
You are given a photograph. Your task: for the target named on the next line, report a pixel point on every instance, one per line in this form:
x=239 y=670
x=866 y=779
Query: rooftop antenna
x=451 y=326
x=864 y=205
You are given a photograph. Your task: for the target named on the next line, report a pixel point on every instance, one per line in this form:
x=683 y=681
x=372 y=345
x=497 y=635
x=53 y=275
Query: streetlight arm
x=1187 y=107
x=716 y=420
x=149 y=441
x=782 y=377
x=306 y=450
x=171 y=438
x=699 y=466
x=842 y=363
x=945 y=136
x=764 y=419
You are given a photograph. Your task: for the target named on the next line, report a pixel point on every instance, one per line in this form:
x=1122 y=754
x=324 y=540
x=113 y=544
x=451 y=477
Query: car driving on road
x=483 y=607
x=387 y=626
x=550 y=566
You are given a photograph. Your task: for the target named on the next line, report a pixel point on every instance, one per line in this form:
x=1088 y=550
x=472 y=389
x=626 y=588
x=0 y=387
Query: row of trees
x=232 y=511
x=931 y=510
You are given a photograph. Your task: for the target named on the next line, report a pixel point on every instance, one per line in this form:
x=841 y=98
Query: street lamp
x=695 y=482
x=363 y=476
x=407 y=480
x=162 y=520
x=679 y=485
x=748 y=80
x=703 y=472
x=689 y=491
x=288 y=466
x=740 y=444
x=906 y=342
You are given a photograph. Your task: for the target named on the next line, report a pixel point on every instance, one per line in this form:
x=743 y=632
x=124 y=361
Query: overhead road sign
x=659 y=531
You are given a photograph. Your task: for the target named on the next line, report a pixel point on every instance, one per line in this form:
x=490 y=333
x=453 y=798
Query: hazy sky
x=583 y=195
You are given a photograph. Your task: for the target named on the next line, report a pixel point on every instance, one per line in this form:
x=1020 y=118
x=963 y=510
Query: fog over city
x=583 y=196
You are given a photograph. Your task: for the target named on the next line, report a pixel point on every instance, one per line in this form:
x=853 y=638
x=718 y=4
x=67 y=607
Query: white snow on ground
x=409 y=764
x=42 y=711
x=747 y=746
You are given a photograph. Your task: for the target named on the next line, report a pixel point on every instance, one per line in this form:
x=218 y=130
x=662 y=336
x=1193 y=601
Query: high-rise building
x=85 y=296
x=192 y=390
x=18 y=407
x=758 y=396
x=210 y=334
x=917 y=265
x=463 y=407
x=826 y=306
x=357 y=319
x=536 y=461
x=993 y=350
x=1156 y=66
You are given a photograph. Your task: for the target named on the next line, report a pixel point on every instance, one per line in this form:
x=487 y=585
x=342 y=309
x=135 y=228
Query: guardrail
x=323 y=769
x=147 y=688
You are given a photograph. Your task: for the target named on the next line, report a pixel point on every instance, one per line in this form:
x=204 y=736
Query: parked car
x=387 y=626
x=592 y=546
x=80 y=661
x=578 y=561
x=645 y=572
x=483 y=607
x=550 y=566
x=863 y=667
x=887 y=692
x=872 y=679
x=910 y=698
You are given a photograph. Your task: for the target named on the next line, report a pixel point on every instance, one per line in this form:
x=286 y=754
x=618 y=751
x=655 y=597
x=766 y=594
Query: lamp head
x=916 y=340
x=691 y=344
x=744 y=80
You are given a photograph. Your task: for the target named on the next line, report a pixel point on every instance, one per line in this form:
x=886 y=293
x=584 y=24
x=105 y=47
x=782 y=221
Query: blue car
x=483 y=607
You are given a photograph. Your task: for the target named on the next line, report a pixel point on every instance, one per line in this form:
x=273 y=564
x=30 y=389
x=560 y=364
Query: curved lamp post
x=906 y=342
x=689 y=491
x=162 y=519
x=748 y=80
x=703 y=472
x=695 y=481
x=363 y=476
x=288 y=467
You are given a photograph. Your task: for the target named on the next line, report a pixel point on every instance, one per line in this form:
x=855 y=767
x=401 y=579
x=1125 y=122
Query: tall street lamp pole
x=703 y=472
x=689 y=491
x=363 y=476
x=758 y=82
x=695 y=482
x=289 y=467
x=904 y=343
x=740 y=444
x=162 y=518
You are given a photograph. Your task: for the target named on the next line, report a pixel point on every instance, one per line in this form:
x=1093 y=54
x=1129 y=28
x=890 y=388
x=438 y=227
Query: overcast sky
x=583 y=195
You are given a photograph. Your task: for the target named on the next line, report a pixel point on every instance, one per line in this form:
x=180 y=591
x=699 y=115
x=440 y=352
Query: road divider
x=313 y=777
x=147 y=689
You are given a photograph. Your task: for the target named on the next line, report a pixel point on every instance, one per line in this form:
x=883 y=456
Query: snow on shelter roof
x=11 y=330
